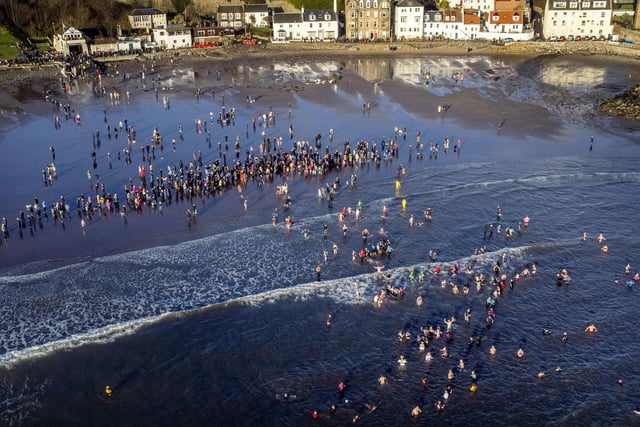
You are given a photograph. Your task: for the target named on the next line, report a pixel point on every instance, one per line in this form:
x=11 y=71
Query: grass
x=8 y=49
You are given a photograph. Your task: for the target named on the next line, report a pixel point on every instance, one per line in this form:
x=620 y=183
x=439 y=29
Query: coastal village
x=369 y=21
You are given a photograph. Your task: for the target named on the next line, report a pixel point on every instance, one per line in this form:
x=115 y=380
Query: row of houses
x=363 y=20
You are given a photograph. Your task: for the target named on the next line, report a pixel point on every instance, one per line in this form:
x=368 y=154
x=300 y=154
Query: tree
x=10 y=8
x=180 y=5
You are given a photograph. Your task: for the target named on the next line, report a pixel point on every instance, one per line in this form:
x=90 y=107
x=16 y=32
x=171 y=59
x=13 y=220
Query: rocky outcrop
x=625 y=105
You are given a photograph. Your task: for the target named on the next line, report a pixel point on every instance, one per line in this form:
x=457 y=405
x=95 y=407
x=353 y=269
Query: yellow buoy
x=397 y=185
x=404 y=203
x=473 y=387
x=107 y=391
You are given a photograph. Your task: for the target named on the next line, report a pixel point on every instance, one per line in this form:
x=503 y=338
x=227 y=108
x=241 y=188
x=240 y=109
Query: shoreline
x=20 y=85
x=475 y=109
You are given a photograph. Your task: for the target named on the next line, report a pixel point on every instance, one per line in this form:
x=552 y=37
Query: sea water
x=213 y=323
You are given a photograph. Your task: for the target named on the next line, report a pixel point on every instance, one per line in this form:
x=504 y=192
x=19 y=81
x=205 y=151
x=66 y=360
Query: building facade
x=306 y=25
x=368 y=20
x=172 y=37
x=586 y=18
x=71 y=42
x=148 y=18
x=230 y=17
x=408 y=20
x=256 y=15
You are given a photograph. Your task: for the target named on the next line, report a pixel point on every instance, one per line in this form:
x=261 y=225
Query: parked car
x=508 y=40
x=577 y=38
x=570 y=37
x=553 y=39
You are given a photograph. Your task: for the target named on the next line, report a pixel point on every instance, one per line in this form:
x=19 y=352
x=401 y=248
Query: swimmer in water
x=382 y=380
x=520 y=353
x=492 y=351
x=591 y=329
x=108 y=392
x=416 y=411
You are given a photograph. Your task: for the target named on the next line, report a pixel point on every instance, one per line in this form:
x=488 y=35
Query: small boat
x=395 y=292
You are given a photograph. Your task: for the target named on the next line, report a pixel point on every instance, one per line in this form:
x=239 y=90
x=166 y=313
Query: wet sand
x=21 y=101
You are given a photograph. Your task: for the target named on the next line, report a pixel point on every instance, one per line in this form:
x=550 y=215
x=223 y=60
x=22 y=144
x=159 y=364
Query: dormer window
x=516 y=17
x=312 y=17
x=496 y=17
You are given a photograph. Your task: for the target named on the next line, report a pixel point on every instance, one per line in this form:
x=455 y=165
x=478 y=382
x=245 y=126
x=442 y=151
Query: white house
x=587 y=18
x=504 y=23
x=71 y=42
x=147 y=18
x=444 y=24
x=408 y=20
x=172 y=37
x=256 y=15
x=477 y=5
x=306 y=25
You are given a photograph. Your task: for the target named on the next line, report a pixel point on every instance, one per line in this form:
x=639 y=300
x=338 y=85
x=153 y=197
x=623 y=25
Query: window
x=573 y=5
x=516 y=17
x=312 y=17
x=352 y=15
x=403 y=19
x=586 y=5
x=559 y=4
x=352 y=5
x=599 y=3
x=223 y=16
x=375 y=4
x=368 y=4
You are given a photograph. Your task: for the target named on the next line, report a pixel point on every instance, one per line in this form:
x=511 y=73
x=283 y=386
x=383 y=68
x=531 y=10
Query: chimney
x=335 y=7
